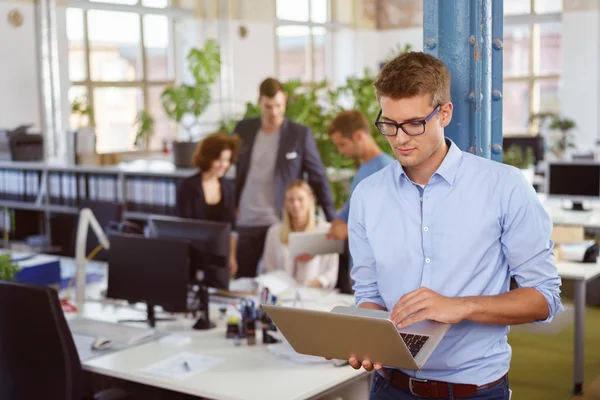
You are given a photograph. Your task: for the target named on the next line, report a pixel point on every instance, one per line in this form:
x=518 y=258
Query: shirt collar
x=449 y=166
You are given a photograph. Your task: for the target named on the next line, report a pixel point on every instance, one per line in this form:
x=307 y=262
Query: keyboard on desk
x=414 y=342
x=116 y=332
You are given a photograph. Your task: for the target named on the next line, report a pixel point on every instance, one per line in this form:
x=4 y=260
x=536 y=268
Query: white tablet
x=314 y=243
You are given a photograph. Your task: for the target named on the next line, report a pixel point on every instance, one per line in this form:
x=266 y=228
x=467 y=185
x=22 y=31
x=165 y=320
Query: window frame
x=330 y=27
x=533 y=78
x=143 y=83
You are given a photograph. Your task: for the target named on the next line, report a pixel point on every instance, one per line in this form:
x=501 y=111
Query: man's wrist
x=470 y=307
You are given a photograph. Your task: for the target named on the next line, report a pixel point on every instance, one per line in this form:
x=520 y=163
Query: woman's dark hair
x=210 y=148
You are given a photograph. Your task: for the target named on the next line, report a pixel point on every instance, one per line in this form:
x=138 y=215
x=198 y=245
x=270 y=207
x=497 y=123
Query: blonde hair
x=286 y=226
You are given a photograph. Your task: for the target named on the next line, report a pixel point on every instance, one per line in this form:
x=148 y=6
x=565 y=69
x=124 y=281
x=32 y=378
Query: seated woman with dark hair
x=207 y=195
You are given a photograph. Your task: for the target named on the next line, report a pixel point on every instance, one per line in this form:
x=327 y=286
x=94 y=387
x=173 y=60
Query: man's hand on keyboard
x=425 y=304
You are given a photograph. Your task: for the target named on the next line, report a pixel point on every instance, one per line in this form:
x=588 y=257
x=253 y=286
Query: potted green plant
x=145 y=130
x=85 y=135
x=561 y=137
x=185 y=103
x=8 y=269
x=83 y=110
x=524 y=160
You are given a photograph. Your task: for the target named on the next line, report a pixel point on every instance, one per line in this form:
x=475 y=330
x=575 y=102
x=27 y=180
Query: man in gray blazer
x=273 y=153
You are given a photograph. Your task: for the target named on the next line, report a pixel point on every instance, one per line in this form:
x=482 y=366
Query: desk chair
x=38 y=358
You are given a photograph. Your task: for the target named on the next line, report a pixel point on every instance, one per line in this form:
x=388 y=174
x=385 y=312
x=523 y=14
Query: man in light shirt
x=438 y=236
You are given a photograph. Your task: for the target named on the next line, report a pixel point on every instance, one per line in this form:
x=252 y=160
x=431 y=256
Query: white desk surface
x=578 y=271
x=247 y=372
x=561 y=216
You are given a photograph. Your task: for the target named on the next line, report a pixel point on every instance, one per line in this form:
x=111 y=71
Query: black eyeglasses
x=411 y=128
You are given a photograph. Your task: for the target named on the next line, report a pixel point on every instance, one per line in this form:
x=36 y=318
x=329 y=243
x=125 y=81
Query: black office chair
x=38 y=358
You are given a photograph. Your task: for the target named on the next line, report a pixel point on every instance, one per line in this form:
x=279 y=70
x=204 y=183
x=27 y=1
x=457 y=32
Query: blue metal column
x=497 y=63
x=464 y=34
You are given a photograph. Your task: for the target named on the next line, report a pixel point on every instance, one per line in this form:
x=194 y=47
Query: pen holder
x=251 y=331
x=233 y=328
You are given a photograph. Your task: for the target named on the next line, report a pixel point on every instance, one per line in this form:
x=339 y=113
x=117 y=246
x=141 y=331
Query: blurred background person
x=273 y=153
x=208 y=195
x=299 y=216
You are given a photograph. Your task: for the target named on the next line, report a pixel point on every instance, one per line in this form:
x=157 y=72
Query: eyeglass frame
x=422 y=121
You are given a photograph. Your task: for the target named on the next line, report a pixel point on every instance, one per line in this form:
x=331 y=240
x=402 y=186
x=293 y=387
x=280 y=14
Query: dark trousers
x=250 y=245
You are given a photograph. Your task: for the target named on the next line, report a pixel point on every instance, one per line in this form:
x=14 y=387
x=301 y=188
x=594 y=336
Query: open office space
x=299 y=199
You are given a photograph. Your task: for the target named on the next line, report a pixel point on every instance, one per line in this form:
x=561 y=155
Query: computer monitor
x=576 y=181
x=209 y=242
x=149 y=270
x=536 y=143
x=209 y=252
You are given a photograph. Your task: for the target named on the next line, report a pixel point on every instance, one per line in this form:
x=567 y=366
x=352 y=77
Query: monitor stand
x=151 y=320
x=203 y=322
x=577 y=206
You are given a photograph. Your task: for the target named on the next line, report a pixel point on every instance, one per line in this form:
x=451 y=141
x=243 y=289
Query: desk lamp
x=86 y=218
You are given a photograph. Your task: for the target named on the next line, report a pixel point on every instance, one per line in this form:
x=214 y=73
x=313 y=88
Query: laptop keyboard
x=414 y=342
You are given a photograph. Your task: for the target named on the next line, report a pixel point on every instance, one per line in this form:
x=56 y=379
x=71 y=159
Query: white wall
x=253 y=60
x=580 y=88
x=19 y=85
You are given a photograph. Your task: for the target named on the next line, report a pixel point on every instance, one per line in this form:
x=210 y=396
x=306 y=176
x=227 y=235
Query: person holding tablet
x=299 y=216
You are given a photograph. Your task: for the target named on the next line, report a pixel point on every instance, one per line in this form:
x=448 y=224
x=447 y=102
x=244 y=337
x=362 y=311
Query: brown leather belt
x=432 y=389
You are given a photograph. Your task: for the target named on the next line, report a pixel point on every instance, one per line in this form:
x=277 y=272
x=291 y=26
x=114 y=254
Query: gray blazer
x=295 y=138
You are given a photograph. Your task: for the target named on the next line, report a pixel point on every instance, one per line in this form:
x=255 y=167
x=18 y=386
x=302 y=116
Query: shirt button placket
x=426 y=222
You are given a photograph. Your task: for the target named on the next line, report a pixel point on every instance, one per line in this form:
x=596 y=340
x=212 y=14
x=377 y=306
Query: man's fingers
x=418 y=307
x=408 y=296
x=367 y=365
x=377 y=367
x=401 y=310
x=354 y=363
x=415 y=318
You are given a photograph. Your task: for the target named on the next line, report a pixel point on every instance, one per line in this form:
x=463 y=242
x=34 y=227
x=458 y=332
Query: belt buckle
x=410 y=384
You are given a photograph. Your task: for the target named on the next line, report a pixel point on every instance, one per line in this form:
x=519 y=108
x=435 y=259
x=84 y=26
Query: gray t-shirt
x=257 y=202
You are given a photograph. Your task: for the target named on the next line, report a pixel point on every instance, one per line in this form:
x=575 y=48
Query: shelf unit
x=143 y=189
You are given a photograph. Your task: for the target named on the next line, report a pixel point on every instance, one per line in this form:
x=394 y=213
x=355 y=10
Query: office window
x=120 y=61
x=303 y=36
x=532 y=62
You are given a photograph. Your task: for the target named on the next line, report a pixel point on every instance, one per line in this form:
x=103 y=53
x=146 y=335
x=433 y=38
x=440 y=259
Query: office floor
x=542 y=364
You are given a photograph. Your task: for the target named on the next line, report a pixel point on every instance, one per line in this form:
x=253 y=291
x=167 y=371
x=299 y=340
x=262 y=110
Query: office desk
x=561 y=216
x=580 y=273
x=247 y=372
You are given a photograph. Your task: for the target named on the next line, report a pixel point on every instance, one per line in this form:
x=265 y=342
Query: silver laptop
x=346 y=332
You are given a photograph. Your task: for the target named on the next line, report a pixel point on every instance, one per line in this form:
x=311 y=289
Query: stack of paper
x=286 y=351
x=181 y=366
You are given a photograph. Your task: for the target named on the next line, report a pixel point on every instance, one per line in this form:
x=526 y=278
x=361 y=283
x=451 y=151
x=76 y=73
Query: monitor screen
x=153 y=271
x=209 y=241
x=573 y=180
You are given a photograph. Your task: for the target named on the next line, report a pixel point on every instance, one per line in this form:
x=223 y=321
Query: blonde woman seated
x=299 y=216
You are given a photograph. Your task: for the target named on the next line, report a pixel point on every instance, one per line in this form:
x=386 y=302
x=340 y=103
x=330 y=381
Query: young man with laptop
x=436 y=237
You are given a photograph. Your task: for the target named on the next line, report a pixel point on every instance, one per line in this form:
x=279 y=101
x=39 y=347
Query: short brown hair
x=210 y=148
x=413 y=74
x=269 y=88
x=348 y=122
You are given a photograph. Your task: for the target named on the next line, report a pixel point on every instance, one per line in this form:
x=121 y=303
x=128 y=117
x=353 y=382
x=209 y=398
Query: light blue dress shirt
x=473 y=226
x=365 y=169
